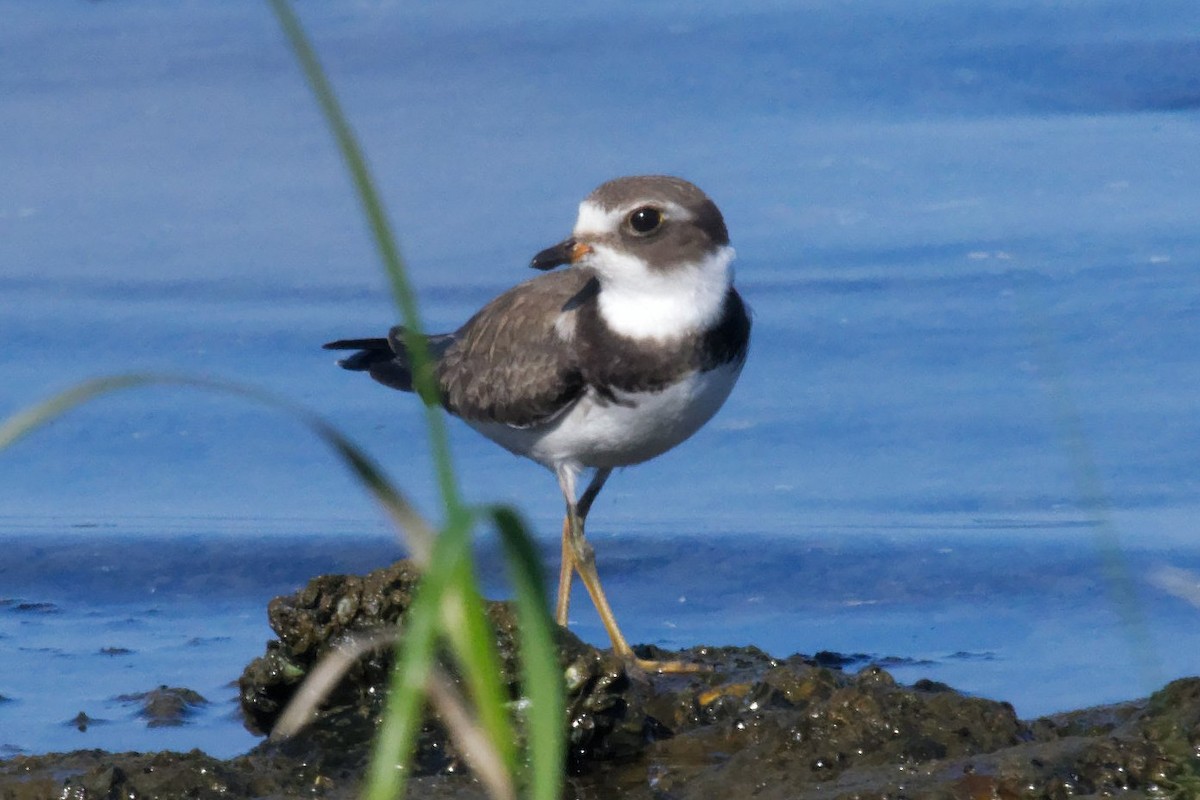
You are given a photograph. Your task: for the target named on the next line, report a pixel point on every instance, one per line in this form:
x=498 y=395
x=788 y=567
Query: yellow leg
x=585 y=562
x=566 y=571
x=578 y=555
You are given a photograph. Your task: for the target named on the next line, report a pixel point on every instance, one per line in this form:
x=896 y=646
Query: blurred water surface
x=968 y=233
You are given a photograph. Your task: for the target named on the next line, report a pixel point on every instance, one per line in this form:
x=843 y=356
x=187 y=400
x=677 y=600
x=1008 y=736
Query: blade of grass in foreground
x=470 y=633
x=389 y=251
x=412 y=526
x=540 y=676
x=455 y=589
x=388 y=773
x=449 y=570
x=471 y=638
x=1092 y=497
x=449 y=594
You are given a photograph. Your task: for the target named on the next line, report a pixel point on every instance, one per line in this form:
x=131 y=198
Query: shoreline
x=753 y=724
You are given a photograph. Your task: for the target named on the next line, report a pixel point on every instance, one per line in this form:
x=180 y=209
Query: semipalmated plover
x=606 y=364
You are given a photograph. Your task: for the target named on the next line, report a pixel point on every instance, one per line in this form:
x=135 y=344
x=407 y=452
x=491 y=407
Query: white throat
x=644 y=303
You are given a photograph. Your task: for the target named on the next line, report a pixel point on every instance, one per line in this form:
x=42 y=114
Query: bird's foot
x=652 y=666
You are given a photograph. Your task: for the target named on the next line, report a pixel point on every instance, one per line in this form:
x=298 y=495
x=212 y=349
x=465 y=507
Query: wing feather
x=511 y=363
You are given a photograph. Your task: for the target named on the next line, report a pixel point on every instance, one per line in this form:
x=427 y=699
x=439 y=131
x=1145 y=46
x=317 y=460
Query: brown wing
x=509 y=363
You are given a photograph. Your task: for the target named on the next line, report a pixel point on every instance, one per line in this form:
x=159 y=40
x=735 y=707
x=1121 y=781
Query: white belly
x=596 y=432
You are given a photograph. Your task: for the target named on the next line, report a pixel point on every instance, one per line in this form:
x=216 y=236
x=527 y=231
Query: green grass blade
x=1093 y=498
x=387 y=776
x=440 y=588
x=367 y=471
x=540 y=673
x=473 y=642
x=456 y=716
x=24 y=422
x=402 y=291
x=449 y=576
x=469 y=633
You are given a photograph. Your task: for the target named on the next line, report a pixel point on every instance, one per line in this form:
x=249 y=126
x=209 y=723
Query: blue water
x=968 y=233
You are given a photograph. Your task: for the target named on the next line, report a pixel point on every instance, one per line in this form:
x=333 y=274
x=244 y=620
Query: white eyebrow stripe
x=595 y=220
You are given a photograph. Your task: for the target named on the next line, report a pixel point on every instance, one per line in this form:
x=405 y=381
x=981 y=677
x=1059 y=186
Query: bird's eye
x=645 y=220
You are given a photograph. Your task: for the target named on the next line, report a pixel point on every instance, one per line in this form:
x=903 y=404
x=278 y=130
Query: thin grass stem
x=389 y=251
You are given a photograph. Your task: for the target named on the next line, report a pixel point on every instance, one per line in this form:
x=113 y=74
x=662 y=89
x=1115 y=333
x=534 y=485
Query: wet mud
x=751 y=725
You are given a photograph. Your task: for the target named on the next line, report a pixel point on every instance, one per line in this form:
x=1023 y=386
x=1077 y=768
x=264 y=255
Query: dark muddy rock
x=309 y=624
x=606 y=716
x=166 y=706
x=97 y=775
x=829 y=727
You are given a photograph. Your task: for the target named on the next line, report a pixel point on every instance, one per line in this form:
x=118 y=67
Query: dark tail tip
x=357 y=344
x=359 y=362
x=370 y=352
